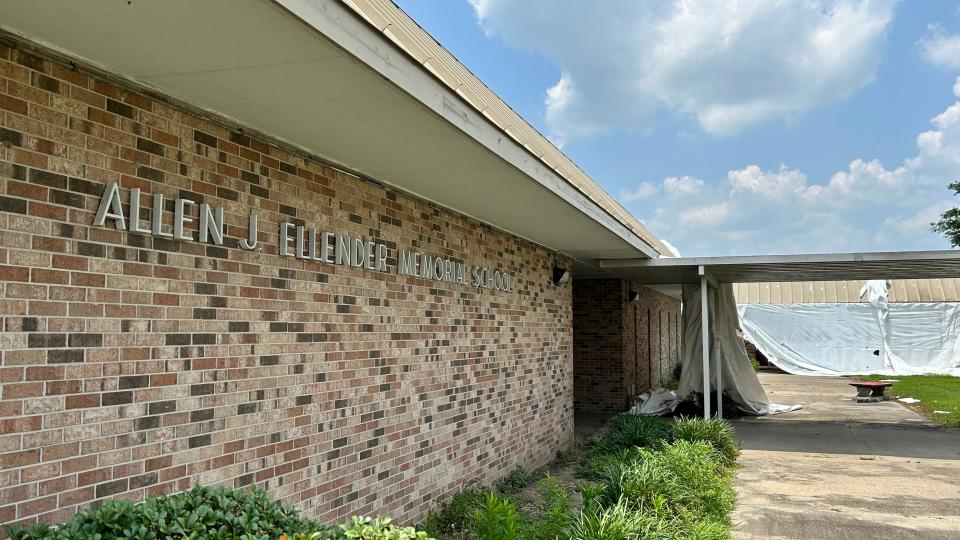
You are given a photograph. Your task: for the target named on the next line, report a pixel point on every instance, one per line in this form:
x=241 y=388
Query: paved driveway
x=837 y=469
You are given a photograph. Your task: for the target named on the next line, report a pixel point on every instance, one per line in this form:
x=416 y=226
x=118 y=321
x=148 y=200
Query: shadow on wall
x=626 y=340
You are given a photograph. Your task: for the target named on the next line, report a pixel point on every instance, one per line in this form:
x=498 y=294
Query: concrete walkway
x=837 y=469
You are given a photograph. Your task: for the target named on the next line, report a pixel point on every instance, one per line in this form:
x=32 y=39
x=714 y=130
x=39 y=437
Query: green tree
x=949 y=222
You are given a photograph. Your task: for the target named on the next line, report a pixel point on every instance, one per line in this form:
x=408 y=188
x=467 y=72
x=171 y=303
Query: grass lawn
x=935 y=392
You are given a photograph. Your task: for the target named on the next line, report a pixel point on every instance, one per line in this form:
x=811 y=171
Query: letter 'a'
x=110 y=208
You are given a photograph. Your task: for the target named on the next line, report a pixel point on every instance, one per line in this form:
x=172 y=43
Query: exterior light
x=560 y=275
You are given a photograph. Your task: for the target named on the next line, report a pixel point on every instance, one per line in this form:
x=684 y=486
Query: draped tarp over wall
x=740 y=382
x=852 y=339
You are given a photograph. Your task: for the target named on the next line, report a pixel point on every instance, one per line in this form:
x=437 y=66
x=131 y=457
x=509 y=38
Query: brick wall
x=598 y=345
x=651 y=338
x=621 y=346
x=133 y=365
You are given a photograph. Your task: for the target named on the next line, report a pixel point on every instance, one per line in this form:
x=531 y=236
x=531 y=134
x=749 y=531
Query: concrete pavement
x=839 y=469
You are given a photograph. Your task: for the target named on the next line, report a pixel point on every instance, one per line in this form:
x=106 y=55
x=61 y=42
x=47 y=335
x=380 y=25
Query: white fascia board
x=355 y=36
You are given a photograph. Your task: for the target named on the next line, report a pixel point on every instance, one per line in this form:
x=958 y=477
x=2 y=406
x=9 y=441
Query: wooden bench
x=870 y=391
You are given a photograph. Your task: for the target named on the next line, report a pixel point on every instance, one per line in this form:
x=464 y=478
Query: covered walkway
x=710 y=272
x=838 y=469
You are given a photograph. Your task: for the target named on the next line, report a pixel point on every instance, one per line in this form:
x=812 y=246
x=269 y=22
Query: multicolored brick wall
x=133 y=365
x=651 y=339
x=621 y=348
x=598 y=345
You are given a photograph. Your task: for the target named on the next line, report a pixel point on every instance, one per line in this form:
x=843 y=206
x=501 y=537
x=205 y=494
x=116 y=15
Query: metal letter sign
x=299 y=241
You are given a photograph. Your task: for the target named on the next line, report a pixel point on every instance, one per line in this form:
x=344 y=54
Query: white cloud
x=865 y=207
x=941 y=49
x=780 y=184
x=729 y=65
x=683 y=184
x=708 y=215
x=919 y=222
x=644 y=191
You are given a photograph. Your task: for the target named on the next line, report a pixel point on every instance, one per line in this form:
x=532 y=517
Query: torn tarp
x=857 y=338
x=739 y=380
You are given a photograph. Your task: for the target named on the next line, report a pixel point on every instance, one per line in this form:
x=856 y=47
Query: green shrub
x=615 y=522
x=592 y=494
x=629 y=431
x=553 y=512
x=514 y=482
x=360 y=528
x=633 y=430
x=208 y=513
x=453 y=517
x=644 y=483
x=202 y=512
x=683 y=481
x=607 y=467
x=715 y=432
x=497 y=519
x=653 y=480
x=708 y=530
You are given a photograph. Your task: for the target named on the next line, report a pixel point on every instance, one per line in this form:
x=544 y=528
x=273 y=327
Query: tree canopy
x=949 y=222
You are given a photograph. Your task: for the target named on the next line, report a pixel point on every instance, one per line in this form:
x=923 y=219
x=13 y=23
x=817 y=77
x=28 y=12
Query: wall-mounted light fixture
x=560 y=275
x=633 y=296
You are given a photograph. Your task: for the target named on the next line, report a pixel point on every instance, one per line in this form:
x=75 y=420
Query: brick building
x=298 y=247
x=626 y=340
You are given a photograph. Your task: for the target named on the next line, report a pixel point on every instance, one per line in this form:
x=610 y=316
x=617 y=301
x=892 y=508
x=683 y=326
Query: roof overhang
x=316 y=77
x=786 y=268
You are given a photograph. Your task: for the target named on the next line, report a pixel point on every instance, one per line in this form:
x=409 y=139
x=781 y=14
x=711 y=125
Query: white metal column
x=719 y=383
x=705 y=341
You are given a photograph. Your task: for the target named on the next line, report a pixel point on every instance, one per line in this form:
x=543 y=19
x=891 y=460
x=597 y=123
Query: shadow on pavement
x=866 y=438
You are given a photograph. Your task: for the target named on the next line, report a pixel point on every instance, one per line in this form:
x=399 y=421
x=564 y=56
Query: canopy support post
x=705 y=341
x=719 y=386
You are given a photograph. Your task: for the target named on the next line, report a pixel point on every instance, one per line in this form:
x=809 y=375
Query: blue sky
x=757 y=127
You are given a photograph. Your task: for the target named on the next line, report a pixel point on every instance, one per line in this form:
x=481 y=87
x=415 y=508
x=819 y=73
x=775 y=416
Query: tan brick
x=224 y=366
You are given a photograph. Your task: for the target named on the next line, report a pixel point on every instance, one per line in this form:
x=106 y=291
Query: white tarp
x=857 y=339
x=740 y=382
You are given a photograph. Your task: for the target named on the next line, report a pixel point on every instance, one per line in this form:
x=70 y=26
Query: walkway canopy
x=803 y=267
x=713 y=271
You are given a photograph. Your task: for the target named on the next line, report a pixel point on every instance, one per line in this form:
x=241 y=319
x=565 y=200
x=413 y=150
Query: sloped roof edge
x=388 y=19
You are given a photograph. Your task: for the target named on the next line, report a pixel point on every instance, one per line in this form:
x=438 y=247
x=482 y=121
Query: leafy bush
x=497 y=519
x=208 y=513
x=514 y=482
x=360 y=528
x=632 y=430
x=607 y=467
x=553 y=512
x=715 y=432
x=452 y=518
x=618 y=521
x=629 y=431
x=202 y=512
x=687 y=477
x=651 y=480
x=679 y=489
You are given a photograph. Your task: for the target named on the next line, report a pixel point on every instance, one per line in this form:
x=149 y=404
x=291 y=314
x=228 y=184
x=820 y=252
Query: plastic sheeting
x=857 y=339
x=739 y=380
